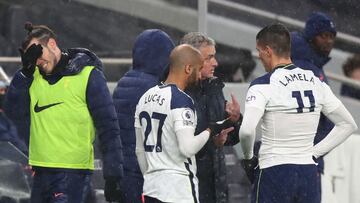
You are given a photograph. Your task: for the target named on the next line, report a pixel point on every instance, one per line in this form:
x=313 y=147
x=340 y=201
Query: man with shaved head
x=165 y=122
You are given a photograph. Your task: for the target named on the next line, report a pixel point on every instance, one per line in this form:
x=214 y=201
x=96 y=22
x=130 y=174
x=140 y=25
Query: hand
x=250 y=166
x=29 y=58
x=221 y=138
x=233 y=109
x=113 y=190
x=218 y=126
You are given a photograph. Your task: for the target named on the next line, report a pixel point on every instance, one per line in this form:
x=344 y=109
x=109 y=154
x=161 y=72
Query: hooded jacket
x=304 y=56
x=98 y=99
x=8 y=133
x=151 y=53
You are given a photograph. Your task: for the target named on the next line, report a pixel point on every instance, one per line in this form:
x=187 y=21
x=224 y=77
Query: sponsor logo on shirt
x=250 y=98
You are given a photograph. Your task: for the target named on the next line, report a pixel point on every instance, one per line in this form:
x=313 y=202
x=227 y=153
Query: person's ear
x=52 y=44
x=268 y=51
x=188 y=69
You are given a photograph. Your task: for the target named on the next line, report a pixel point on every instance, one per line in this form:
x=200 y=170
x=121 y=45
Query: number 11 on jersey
x=307 y=93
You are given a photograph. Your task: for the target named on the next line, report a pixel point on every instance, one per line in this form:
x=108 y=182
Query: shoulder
x=300 y=48
x=212 y=86
x=133 y=85
x=262 y=80
x=79 y=58
x=179 y=99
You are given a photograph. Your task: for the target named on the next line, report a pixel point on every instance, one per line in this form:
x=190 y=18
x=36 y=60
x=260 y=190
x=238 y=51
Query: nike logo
x=58 y=194
x=38 y=108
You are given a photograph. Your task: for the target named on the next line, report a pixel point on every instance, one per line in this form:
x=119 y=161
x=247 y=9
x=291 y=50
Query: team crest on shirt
x=188 y=117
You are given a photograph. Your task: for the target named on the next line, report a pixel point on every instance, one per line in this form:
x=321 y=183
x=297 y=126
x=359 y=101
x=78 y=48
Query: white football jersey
x=170 y=176
x=292 y=99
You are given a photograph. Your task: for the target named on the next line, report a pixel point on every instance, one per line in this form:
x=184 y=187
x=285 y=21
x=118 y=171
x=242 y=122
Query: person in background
x=151 y=53
x=310 y=50
x=288 y=101
x=211 y=106
x=63 y=94
x=8 y=131
x=351 y=69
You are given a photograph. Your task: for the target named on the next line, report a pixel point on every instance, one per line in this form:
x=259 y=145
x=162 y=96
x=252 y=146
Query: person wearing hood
x=64 y=97
x=310 y=50
x=151 y=53
x=8 y=132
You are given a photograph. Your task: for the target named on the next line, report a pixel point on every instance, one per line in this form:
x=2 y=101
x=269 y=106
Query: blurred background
x=109 y=28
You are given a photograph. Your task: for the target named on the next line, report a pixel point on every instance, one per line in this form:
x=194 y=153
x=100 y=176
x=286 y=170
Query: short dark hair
x=40 y=32
x=351 y=64
x=277 y=37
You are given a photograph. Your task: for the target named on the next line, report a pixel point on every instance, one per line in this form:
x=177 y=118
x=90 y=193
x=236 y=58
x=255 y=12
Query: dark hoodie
x=305 y=57
x=98 y=100
x=151 y=53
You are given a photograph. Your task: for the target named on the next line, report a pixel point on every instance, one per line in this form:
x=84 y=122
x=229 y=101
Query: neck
x=176 y=80
x=280 y=61
x=61 y=63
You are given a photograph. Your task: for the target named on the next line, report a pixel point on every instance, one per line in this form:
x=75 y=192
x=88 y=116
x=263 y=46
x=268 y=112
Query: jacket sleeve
x=103 y=113
x=233 y=137
x=17 y=104
x=9 y=133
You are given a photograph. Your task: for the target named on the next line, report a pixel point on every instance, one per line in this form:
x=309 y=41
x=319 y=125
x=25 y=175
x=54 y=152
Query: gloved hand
x=28 y=59
x=217 y=126
x=113 y=190
x=250 y=166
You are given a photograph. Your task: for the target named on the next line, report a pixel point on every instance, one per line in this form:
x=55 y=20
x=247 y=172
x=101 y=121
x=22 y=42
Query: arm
x=256 y=100
x=140 y=151
x=17 y=101
x=17 y=104
x=189 y=144
x=103 y=113
x=247 y=132
x=344 y=127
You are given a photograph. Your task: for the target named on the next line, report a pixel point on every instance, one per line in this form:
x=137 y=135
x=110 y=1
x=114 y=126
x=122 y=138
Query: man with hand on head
x=64 y=96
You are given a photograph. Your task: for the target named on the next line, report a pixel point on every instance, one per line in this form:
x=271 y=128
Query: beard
x=192 y=83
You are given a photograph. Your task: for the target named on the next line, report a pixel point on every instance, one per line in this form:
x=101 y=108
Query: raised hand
x=233 y=109
x=29 y=58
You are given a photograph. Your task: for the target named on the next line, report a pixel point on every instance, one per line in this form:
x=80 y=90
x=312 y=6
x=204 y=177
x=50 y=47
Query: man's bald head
x=184 y=55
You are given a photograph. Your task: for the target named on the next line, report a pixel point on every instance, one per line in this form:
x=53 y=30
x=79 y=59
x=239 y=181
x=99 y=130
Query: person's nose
x=330 y=39
x=214 y=62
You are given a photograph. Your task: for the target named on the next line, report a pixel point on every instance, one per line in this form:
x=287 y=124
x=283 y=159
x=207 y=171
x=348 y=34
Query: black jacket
x=210 y=106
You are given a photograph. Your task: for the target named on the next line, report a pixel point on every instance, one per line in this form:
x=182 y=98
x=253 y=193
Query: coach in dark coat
x=211 y=106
